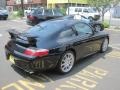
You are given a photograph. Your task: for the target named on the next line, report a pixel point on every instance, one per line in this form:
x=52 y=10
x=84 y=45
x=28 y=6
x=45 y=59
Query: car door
x=83 y=44
x=67 y=39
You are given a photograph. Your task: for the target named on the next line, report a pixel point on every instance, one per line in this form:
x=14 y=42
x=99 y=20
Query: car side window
x=86 y=11
x=82 y=28
x=39 y=11
x=48 y=12
x=78 y=9
x=57 y=13
x=66 y=34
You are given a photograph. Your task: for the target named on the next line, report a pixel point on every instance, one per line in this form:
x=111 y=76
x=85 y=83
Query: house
x=3 y=3
x=16 y=4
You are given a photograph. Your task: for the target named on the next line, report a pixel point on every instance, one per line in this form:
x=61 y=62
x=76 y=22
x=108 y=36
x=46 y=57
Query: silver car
x=3 y=14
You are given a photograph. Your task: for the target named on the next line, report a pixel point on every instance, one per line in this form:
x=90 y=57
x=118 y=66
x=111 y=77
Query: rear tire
x=5 y=18
x=91 y=18
x=66 y=62
x=104 y=46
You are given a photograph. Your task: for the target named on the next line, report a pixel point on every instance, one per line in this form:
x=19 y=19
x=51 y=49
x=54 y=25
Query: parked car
x=97 y=25
x=88 y=12
x=54 y=44
x=41 y=14
x=28 y=10
x=3 y=14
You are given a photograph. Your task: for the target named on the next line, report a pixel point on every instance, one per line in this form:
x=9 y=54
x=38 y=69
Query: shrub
x=106 y=24
x=63 y=10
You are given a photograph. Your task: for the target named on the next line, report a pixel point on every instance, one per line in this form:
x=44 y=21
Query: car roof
x=62 y=23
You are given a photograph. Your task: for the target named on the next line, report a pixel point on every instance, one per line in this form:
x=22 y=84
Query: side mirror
x=98 y=27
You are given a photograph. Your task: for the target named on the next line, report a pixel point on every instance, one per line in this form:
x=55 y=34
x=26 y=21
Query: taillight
x=31 y=17
x=37 y=53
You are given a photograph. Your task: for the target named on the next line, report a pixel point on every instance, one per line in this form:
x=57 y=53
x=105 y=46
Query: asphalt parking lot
x=96 y=72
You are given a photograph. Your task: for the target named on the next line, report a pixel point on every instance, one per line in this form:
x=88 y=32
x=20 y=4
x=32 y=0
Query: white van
x=88 y=12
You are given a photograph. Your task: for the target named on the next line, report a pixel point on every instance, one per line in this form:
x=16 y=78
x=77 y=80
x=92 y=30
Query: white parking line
x=114 y=47
x=1 y=35
x=19 y=20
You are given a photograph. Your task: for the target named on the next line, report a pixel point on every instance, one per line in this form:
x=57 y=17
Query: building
x=2 y=3
x=16 y=4
x=65 y=3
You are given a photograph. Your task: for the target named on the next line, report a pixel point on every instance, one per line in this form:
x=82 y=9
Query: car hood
x=3 y=12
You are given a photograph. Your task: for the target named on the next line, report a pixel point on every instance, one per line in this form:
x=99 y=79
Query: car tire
x=66 y=63
x=91 y=18
x=104 y=45
x=5 y=18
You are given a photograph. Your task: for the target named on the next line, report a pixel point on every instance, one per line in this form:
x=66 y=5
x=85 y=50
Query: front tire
x=66 y=62
x=104 y=46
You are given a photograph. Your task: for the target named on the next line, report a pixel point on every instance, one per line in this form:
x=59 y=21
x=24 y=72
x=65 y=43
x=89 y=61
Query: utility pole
x=22 y=7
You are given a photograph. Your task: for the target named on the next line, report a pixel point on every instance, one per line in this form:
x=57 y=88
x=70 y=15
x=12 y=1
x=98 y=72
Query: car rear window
x=48 y=12
x=45 y=29
x=37 y=11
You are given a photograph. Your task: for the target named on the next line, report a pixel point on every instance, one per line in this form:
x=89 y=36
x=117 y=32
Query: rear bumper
x=32 y=23
x=35 y=64
x=3 y=16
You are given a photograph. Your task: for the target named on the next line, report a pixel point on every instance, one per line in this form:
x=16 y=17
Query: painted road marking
x=84 y=80
x=1 y=35
x=30 y=84
x=12 y=85
x=115 y=46
x=114 y=54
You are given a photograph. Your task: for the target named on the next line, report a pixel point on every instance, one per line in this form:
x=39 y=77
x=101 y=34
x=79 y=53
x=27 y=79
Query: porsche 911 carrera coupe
x=54 y=44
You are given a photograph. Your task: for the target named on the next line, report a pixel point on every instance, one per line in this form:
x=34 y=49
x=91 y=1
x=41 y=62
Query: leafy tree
x=103 y=5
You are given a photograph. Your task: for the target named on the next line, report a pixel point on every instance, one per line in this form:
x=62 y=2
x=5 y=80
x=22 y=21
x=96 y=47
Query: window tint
x=86 y=11
x=78 y=9
x=40 y=11
x=83 y=28
x=89 y=10
x=57 y=12
x=48 y=12
x=67 y=34
x=37 y=11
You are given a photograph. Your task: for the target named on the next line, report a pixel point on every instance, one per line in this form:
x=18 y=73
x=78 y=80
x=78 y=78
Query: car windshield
x=37 y=11
x=90 y=10
x=48 y=12
x=1 y=8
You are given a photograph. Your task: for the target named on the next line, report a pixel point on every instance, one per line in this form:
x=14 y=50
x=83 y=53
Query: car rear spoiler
x=15 y=34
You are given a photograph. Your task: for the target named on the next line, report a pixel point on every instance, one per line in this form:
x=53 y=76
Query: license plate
x=12 y=59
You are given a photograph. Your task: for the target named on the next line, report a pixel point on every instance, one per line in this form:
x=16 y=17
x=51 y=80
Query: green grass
x=15 y=15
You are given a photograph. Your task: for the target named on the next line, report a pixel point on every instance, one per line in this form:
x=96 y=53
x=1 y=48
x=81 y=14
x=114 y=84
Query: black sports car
x=54 y=44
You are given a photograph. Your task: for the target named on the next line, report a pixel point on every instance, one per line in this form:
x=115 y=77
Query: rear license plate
x=12 y=59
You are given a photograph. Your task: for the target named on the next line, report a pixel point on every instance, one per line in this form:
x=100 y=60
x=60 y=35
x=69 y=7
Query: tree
x=22 y=7
x=103 y=5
